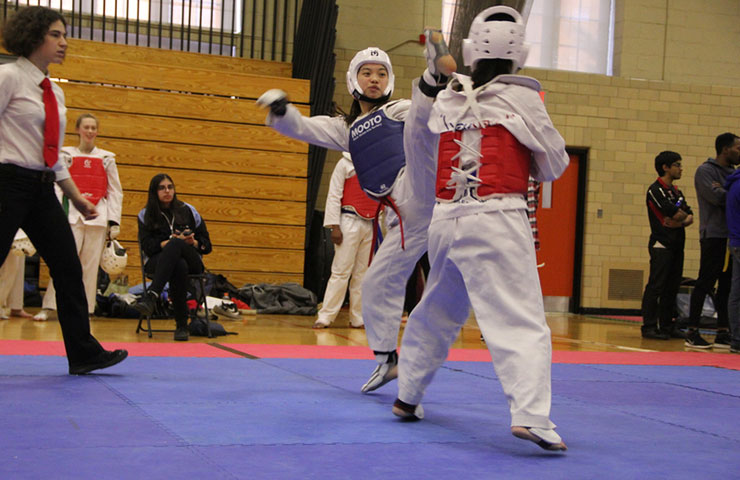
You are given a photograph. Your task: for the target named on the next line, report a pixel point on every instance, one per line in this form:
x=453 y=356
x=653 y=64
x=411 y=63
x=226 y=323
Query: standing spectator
x=709 y=181
x=349 y=213
x=95 y=173
x=32 y=122
x=669 y=215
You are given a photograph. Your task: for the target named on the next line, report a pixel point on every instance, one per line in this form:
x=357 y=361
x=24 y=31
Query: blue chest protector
x=376 y=145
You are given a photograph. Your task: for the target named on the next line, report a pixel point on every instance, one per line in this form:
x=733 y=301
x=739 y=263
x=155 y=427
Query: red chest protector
x=90 y=177
x=355 y=199
x=504 y=165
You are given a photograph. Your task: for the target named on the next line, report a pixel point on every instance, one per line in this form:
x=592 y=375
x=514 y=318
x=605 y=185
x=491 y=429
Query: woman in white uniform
x=493 y=133
x=95 y=173
x=386 y=140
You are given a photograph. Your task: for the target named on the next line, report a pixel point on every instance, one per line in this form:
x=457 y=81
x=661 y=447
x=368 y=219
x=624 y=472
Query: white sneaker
x=544 y=437
x=42 y=316
x=228 y=310
x=385 y=372
x=357 y=325
x=4 y=313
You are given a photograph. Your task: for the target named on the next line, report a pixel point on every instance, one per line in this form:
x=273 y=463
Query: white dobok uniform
x=481 y=250
x=90 y=234
x=384 y=287
x=351 y=256
x=12 y=273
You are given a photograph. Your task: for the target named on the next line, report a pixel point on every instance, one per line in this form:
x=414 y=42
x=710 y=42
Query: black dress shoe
x=181 y=334
x=654 y=334
x=104 y=359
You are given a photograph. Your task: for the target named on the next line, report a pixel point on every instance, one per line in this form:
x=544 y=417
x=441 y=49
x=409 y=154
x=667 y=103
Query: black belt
x=44 y=176
x=349 y=210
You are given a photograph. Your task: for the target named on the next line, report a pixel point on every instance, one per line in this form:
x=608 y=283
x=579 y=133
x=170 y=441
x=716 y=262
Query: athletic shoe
x=544 y=437
x=4 y=312
x=182 y=334
x=654 y=334
x=694 y=340
x=104 y=359
x=722 y=340
x=42 y=316
x=357 y=325
x=383 y=373
x=147 y=304
x=228 y=310
x=735 y=347
x=407 y=412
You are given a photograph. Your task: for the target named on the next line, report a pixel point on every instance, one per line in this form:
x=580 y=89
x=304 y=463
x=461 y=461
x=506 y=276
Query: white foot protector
x=544 y=437
x=383 y=373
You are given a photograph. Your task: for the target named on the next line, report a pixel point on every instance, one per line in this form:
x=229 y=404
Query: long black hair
x=25 y=31
x=153 y=214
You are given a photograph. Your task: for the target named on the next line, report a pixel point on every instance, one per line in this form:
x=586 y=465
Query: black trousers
x=173 y=264
x=29 y=203
x=658 y=301
x=711 y=264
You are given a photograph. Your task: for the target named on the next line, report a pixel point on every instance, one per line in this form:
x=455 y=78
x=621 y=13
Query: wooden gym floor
x=570 y=332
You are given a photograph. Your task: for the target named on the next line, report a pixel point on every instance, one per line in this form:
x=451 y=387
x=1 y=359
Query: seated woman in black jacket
x=173 y=237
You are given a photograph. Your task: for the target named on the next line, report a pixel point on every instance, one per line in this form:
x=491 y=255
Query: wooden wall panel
x=235 y=210
x=167 y=104
x=197 y=132
x=228 y=234
x=176 y=79
x=194 y=117
x=218 y=184
x=199 y=157
x=87 y=48
x=237 y=278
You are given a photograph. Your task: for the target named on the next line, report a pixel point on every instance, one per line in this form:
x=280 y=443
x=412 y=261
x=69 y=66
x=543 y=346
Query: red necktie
x=51 y=125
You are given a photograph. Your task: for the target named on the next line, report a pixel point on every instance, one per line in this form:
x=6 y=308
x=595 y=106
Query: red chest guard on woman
x=504 y=164
x=90 y=177
x=355 y=199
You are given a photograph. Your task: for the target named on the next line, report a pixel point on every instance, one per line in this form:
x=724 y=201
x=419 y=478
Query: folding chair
x=160 y=311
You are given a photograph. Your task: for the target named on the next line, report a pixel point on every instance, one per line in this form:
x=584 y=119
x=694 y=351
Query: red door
x=557 y=228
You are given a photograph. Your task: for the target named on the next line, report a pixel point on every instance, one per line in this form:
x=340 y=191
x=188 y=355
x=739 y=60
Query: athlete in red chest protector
x=493 y=132
x=95 y=173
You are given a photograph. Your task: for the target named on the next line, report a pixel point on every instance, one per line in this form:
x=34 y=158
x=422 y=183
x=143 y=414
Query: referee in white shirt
x=27 y=200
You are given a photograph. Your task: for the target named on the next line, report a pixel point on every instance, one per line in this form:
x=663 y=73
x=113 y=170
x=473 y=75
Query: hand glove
x=113 y=231
x=440 y=64
x=276 y=100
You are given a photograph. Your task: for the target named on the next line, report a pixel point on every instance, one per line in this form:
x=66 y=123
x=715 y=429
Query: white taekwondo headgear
x=114 y=258
x=369 y=55
x=496 y=39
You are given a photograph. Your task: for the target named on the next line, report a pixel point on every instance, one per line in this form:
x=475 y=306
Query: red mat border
x=206 y=350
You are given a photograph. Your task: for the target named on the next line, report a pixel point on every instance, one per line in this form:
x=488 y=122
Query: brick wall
x=675 y=64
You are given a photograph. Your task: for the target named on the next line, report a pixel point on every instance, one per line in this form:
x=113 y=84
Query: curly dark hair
x=24 y=32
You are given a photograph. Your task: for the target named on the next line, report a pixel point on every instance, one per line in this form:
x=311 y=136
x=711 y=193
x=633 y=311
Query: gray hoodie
x=712 y=220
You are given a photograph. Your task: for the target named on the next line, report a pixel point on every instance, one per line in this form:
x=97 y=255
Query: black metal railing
x=262 y=29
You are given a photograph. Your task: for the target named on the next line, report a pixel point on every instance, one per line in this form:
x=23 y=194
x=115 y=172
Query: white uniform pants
x=11 y=281
x=350 y=260
x=90 y=241
x=486 y=260
x=384 y=289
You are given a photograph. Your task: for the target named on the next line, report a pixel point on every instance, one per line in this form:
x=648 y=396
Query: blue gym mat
x=238 y=418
